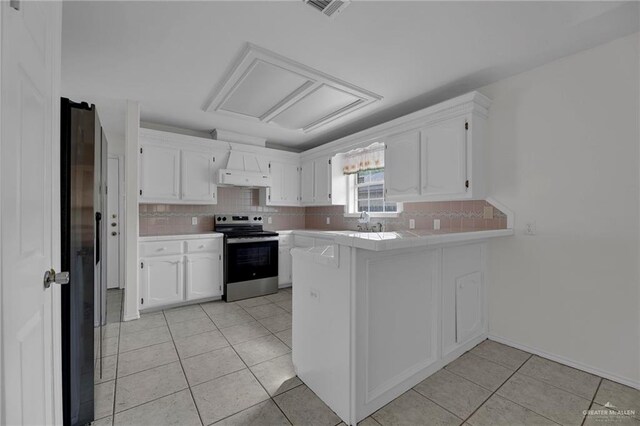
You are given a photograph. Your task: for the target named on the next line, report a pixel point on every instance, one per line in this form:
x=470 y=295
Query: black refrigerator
x=82 y=156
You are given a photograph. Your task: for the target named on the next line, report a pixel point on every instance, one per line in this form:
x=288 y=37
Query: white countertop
x=205 y=235
x=376 y=241
x=379 y=241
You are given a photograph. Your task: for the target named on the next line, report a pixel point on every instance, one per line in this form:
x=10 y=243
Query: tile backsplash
x=168 y=219
x=171 y=219
x=454 y=215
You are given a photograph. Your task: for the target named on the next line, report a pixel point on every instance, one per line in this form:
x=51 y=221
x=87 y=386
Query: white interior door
x=113 y=223
x=29 y=148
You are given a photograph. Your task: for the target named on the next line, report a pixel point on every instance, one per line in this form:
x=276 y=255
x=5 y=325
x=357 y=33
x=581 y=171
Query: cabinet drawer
x=285 y=240
x=160 y=248
x=199 y=246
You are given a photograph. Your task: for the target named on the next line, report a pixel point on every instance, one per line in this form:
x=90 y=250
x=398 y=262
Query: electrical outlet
x=194 y=220
x=328 y=221
x=412 y=224
x=488 y=212
x=269 y=220
x=436 y=224
x=530 y=228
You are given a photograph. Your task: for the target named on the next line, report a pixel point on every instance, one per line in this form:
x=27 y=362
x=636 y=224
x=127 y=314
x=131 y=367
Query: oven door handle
x=250 y=240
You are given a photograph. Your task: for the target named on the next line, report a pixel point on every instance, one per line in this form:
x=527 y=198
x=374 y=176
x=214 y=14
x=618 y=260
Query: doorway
x=115 y=249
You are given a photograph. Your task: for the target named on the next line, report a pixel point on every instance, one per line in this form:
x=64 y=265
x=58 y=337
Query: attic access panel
x=267 y=87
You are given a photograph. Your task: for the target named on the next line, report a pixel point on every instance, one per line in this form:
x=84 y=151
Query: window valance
x=361 y=159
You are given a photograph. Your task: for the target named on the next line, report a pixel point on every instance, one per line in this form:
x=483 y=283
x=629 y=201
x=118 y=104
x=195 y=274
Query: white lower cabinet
x=161 y=281
x=193 y=271
x=284 y=266
x=204 y=275
x=462 y=295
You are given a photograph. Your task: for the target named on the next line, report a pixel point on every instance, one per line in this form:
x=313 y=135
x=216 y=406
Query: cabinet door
x=291 y=184
x=159 y=173
x=462 y=295
x=402 y=165
x=275 y=193
x=444 y=158
x=307 y=182
x=197 y=177
x=161 y=281
x=468 y=306
x=204 y=275
x=284 y=265
x=322 y=181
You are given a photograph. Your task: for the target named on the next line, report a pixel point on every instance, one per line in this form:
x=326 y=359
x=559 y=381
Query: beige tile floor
x=230 y=364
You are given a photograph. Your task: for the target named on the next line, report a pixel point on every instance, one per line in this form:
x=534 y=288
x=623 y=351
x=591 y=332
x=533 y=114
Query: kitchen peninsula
x=376 y=313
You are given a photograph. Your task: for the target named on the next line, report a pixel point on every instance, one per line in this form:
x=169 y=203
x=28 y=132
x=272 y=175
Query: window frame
x=351 y=208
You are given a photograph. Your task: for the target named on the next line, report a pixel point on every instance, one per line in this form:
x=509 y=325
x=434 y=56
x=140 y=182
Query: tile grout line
x=115 y=379
x=252 y=373
x=501 y=396
x=584 y=419
x=182 y=368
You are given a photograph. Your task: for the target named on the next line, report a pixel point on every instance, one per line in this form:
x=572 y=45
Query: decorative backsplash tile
x=168 y=219
x=171 y=219
x=454 y=215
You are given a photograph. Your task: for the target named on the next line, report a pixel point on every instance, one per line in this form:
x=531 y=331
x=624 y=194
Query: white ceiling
x=171 y=55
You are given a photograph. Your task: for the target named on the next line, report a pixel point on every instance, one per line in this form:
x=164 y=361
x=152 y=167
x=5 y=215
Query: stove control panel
x=236 y=219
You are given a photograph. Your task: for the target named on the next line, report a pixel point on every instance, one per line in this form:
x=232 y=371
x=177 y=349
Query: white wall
x=564 y=152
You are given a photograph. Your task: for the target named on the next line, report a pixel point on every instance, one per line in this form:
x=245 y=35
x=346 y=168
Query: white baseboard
x=571 y=363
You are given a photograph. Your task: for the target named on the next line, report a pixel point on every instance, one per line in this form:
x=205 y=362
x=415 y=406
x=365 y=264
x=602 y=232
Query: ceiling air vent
x=328 y=7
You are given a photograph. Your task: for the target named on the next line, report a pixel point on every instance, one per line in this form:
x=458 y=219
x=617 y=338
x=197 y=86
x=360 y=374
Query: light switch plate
x=328 y=220
x=488 y=212
x=269 y=220
x=436 y=224
x=412 y=224
x=194 y=220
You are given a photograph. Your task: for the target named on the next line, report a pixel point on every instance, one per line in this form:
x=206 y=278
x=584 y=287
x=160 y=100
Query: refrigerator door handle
x=98 y=219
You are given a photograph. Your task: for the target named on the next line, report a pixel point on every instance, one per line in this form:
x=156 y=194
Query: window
x=364 y=168
x=366 y=194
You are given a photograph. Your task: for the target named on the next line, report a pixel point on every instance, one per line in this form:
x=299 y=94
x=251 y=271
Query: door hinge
x=140 y=150
x=329 y=161
x=269 y=166
x=219 y=288
x=329 y=196
x=142 y=301
x=466 y=184
x=214 y=159
x=269 y=197
x=106 y=189
x=141 y=265
x=466 y=125
x=15 y=4
x=219 y=257
x=141 y=192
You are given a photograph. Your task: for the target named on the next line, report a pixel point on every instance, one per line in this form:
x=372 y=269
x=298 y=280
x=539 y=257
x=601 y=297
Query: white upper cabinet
x=402 y=177
x=435 y=154
x=198 y=176
x=291 y=184
x=444 y=158
x=322 y=184
x=285 y=185
x=322 y=181
x=159 y=173
x=307 y=182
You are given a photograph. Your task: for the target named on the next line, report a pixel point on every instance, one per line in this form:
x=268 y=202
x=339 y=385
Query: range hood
x=243 y=169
